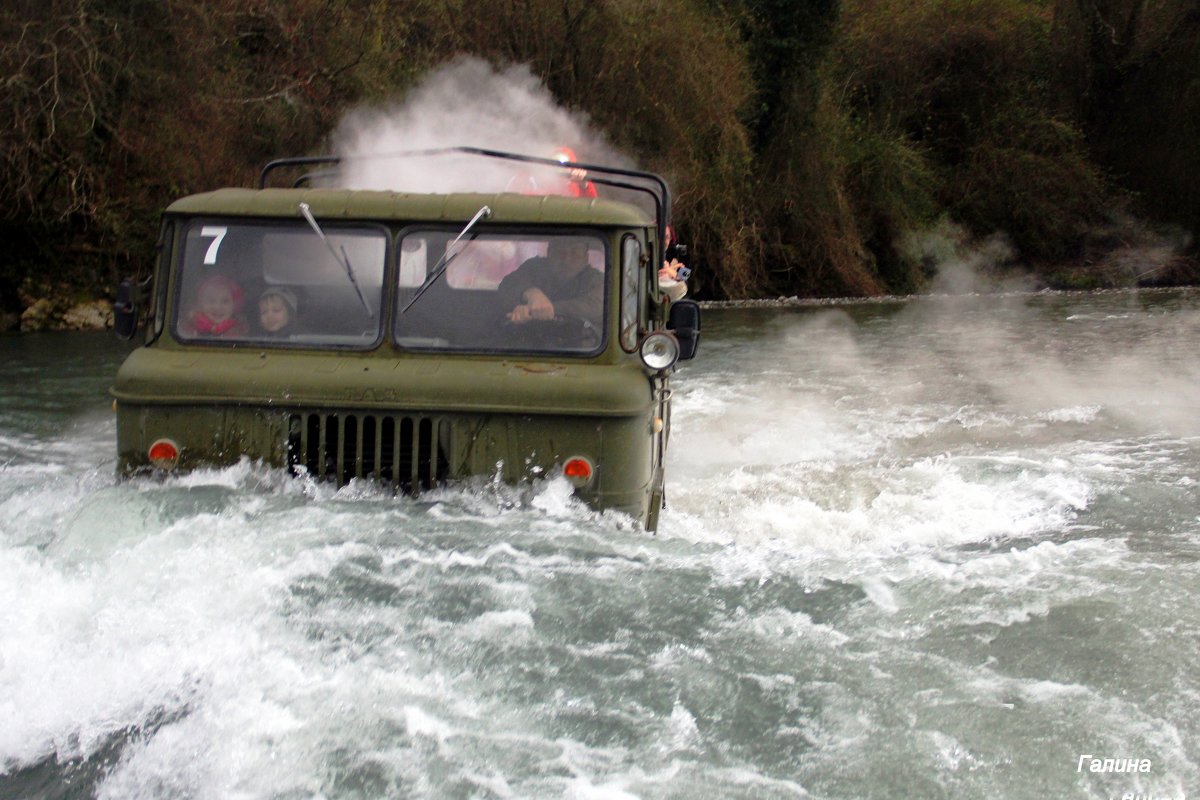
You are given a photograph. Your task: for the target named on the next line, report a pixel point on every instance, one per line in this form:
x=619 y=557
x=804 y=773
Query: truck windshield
x=522 y=292
x=279 y=284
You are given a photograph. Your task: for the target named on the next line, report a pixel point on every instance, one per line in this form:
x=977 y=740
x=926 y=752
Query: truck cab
x=410 y=339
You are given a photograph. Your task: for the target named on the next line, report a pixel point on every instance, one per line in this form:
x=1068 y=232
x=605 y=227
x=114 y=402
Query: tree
x=1132 y=72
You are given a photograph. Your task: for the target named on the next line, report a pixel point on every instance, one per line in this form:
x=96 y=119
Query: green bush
x=1130 y=70
x=803 y=140
x=967 y=82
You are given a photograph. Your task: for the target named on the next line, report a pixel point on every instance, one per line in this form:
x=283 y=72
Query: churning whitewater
x=943 y=548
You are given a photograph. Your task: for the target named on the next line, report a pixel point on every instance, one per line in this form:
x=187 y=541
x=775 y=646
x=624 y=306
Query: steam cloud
x=467 y=103
x=961 y=265
x=1120 y=252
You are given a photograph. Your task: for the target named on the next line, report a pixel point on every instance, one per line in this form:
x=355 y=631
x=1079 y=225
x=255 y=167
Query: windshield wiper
x=342 y=259
x=447 y=257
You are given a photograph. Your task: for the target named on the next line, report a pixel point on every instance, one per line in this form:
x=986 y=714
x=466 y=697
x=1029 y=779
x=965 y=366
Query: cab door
x=638 y=299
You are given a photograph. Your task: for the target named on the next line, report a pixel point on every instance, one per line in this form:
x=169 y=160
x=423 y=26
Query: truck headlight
x=659 y=351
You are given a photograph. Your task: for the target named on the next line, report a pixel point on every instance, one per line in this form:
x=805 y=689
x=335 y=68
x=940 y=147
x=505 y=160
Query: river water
x=942 y=548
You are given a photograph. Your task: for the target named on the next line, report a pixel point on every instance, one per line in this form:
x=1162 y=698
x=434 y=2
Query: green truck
x=410 y=339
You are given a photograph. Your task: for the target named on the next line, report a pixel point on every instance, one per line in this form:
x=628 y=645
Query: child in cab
x=277 y=311
x=215 y=312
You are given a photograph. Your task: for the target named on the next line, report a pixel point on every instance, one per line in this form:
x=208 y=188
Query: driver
x=559 y=284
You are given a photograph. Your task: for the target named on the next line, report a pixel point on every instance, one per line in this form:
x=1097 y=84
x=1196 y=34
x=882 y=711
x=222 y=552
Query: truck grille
x=410 y=452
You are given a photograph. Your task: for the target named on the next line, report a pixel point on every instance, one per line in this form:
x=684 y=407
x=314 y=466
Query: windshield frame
x=180 y=280
x=600 y=235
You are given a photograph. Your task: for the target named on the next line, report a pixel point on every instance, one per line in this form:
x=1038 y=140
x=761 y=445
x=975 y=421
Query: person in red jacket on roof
x=576 y=184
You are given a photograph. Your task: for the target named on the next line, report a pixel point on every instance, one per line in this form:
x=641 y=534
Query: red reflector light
x=578 y=470
x=163 y=454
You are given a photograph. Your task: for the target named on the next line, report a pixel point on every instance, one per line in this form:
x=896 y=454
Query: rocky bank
x=59 y=314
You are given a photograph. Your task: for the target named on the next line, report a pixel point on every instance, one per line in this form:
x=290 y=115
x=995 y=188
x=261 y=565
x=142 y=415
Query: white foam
x=931 y=501
x=495 y=624
x=582 y=788
x=780 y=627
x=420 y=723
x=556 y=497
x=1079 y=414
x=681 y=732
x=879 y=592
x=868 y=544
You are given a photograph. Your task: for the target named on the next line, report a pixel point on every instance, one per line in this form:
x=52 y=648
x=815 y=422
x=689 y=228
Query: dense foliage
x=804 y=139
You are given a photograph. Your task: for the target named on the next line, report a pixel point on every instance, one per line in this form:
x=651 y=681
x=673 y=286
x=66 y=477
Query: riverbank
x=833 y=302
x=1118 y=271
x=801 y=140
x=59 y=313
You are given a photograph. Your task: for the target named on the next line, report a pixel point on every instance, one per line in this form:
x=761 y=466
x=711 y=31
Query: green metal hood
x=158 y=376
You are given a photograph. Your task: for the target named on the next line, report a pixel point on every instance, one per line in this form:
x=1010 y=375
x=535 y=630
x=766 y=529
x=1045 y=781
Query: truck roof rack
x=628 y=179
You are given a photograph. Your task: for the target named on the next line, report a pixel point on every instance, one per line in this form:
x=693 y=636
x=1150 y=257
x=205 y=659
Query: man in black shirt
x=560 y=284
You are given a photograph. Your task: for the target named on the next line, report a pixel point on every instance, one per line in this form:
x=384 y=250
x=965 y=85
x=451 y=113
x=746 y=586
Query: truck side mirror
x=125 y=310
x=684 y=321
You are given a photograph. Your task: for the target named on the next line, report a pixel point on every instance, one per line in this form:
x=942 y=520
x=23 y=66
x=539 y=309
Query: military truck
x=410 y=339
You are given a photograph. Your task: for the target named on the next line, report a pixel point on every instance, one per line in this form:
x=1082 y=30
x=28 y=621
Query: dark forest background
x=805 y=139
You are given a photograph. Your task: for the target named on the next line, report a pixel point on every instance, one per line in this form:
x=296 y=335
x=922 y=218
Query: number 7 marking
x=210 y=256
